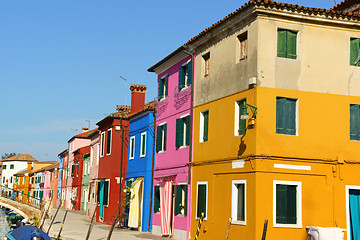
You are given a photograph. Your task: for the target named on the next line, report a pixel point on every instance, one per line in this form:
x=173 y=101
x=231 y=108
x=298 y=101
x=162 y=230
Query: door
x=354 y=207
x=85 y=199
x=101 y=198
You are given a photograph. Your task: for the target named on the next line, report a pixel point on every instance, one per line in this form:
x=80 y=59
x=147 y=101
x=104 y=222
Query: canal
x=4 y=225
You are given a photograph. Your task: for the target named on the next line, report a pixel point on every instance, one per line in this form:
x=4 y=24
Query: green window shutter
x=108 y=144
x=179 y=132
x=354 y=51
x=201 y=201
x=178 y=199
x=291 y=204
x=106 y=192
x=188 y=130
x=143 y=144
x=190 y=72
x=158 y=138
x=240 y=202
x=290 y=115
x=181 y=78
x=132 y=150
x=156 y=199
x=291 y=44
x=281 y=43
x=185 y=203
x=354 y=122
x=242 y=122
x=280 y=115
x=206 y=126
x=161 y=89
x=166 y=85
x=165 y=135
x=281 y=203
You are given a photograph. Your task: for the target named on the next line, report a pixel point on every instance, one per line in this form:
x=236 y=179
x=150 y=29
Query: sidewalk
x=76 y=226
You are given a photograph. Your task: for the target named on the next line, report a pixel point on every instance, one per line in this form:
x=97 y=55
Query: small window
x=4 y=167
x=204 y=126
x=163 y=87
x=182 y=131
x=206 y=58
x=143 y=145
x=72 y=170
x=157 y=199
x=240 y=124
x=287 y=204
x=185 y=75
x=181 y=199
x=108 y=144
x=286 y=43
x=11 y=166
x=355 y=122
x=243 y=46
x=161 y=138
x=354 y=51
x=238 y=206
x=102 y=142
x=286 y=116
x=132 y=147
x=201 y=199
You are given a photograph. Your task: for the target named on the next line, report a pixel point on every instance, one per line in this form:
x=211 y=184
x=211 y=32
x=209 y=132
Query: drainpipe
x=152 y=172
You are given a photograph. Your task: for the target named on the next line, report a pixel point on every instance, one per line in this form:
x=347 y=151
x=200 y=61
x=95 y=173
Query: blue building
x=140 y=161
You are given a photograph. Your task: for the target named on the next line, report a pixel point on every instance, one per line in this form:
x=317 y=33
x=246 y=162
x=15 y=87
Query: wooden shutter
x=240 y=202
x=291 y=204
x=190 y=73
x=165 y=135
x=178 y=200
x=290 y=116
x=156 y=199
x=179 y=137
x=206 y=125
x=106 y=192
x=158 y=138
x=281 y=43
x=181 y=78
x=280 y=115
x=201 y=201
x=354 y=51
x=354 y=122
x=242 y=122
x=166 y=85
x=161 y=89
x=100 y=186
x=291 y=44
x=188 y=130
x=281 y=203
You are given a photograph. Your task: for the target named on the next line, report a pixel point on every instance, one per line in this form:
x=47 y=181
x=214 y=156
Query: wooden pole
x=113 y=225
x=45 y=212
x=265 y=229
x=62 y=225
x=91 y=223
x=228 y=229
x=52 y=221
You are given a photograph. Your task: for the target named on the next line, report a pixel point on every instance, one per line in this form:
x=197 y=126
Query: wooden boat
x=27 y=232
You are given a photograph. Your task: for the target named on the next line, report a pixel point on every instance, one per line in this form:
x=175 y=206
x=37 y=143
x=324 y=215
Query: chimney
x=137 y=97
x=84 y=129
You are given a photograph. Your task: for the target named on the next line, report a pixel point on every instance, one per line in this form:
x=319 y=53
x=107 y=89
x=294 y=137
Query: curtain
x=165 y=207
x=134 y=212
x=354 y=202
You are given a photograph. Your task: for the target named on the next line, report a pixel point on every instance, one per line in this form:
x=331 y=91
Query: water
x=4 y=225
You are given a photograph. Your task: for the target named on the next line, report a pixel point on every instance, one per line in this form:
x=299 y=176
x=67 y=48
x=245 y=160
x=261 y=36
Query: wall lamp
x=245 y=115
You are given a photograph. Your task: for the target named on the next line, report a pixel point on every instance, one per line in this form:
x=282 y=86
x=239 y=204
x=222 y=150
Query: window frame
x=12 y=166
x=347 y=195
x=163 y=139
x=185 y=129
x=354 y=135
x=142 y=143
x=234 y=202
x=184 y=191
x=298 y=204
x=165 y=80
x=102 y=144
x=108 y=142
x=358 y=53
x=132 y=145
x=185 y=75
x=202 y=126
x=242 y=39
x=287 y=55
x=206 y=197
x=206 y=64
x=237 y=117
x=296 y=116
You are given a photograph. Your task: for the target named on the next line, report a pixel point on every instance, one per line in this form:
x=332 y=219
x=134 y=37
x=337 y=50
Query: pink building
x=50 y=182
x=172 y=186
x=94 y=170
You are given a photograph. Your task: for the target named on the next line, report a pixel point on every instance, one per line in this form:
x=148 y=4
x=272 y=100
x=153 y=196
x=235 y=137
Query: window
x=286 y=116
x=3 y=179
x=355 y=122
x=11 y=166
x=286 y=43
x=143 y=145
x=185 y=75
x=182 y=131
x=4 y=167
x=161 y=138
x=72 y=170
x=240 y=124
x=238 y=205
x=108 y=144
x=91 y=155
x=163 y=87
x=204 y=126
x=181 y=199
x=157 y=199
x=102 y=142
x=132 y=147
x=287 y=204
x=201 y=196
x=206 y=58
x=354 y=51
x=243 y=46
x=11 y=179
x=106 y=192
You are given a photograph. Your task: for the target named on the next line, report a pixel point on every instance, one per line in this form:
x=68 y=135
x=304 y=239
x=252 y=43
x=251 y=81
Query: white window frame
x=132 y=145
x=201 y=135
x=141 y=144
x=163 y=78
x=237 y=116
x=183 y=117
x=91 y=155
x=98 y=154
x=197 y=196
x=296 y=115
x=102 y=144
x=107 y=142
x=108 y=197
x=347 y=189
x=298 y=204
x=186 y=75
x=162 y=137
x=234 y=201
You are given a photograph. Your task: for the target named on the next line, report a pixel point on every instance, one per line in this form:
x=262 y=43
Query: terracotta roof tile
x=21 y=157
x=85 y=134
x=150 y=106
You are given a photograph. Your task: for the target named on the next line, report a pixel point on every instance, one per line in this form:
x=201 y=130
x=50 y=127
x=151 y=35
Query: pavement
x=76 y=227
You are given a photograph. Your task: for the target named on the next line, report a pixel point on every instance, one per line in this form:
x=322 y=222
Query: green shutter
x=189 y=81
x=178 y=199
x=242 y=122
x=201 y=201
x=280 y=115
x=179 y=132
x=166 y=85
x=291 y=204
x=188 y=130
x=281 y=43
x=132 y=150
x=143 y=144
x=106 y=192
x=206 y=126
x=354 y=51
x=158 y=138
x=291 y=44
x=181 y=78
x=281 y=203
x=290 y=108
x=108 y=144
x=240 y=202
x=156 y=199
x=165 y=135
x=161 y=89
x=354 y=122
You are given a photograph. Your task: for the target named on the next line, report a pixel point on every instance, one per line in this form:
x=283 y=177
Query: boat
x=27 y=232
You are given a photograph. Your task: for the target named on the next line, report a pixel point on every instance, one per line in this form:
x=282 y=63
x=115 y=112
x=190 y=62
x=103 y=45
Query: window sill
x=278 y=225
x=180 y=215
x=142 y=156
x=131 y=158
x=234 y=222
x=162 y=151
x=183 y=146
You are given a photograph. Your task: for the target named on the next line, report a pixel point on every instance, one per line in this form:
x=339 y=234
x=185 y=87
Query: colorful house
x=140 y=159
x=93 y=171
x=49 y=185
x=173 y=137
x=62 y=176
x=113 y=130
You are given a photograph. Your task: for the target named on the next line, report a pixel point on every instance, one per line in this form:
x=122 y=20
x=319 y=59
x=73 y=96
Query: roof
x=63 y=152
x=84 y=134
x=150 y=106
x=334 y=12
x=21 y=157
x=49 y=167
x=122 y=112
x=345 y=4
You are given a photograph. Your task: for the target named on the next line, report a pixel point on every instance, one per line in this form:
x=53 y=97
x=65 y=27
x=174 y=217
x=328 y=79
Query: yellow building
x=295 y=161
x=21 y=185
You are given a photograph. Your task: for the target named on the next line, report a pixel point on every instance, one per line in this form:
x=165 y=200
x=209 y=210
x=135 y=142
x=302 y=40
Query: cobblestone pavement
x=76 y=226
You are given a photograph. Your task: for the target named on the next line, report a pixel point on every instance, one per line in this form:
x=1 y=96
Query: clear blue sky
x=60 y=61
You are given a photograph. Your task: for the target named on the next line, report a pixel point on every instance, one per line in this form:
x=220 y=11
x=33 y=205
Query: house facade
x=173 y=142
x=93 y=172
x=77 y=176
x=62 y=177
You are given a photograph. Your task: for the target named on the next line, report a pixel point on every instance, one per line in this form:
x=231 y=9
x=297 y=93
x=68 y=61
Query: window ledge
x=183 y=146
x=142 y=156
x=162 y=151
x=279 y=225
x=131 y=158
x=234 y=222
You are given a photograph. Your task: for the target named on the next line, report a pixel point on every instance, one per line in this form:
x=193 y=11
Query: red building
x=77 y=174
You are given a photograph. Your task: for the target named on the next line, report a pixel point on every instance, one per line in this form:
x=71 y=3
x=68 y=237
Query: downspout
x=152 y=172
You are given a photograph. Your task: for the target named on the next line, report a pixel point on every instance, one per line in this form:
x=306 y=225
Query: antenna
x=125 y=87
x=89 y=124
x=335 y=2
